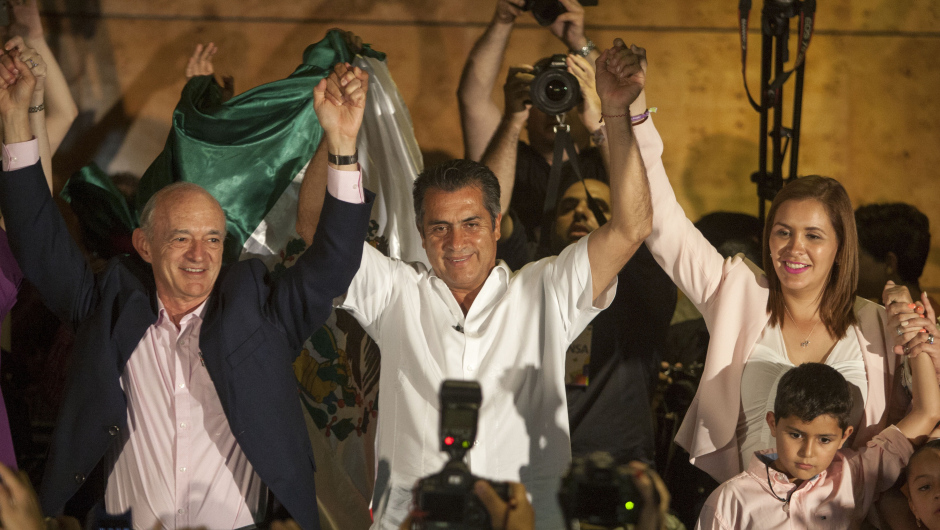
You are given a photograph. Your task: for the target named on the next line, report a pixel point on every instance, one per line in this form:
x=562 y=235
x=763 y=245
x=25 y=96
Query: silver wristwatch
x=585 y=50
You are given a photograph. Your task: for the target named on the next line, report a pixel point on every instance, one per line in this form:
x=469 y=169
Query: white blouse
x=762 y=372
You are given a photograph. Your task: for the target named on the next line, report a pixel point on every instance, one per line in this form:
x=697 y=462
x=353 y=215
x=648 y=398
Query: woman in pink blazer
x=805 y=310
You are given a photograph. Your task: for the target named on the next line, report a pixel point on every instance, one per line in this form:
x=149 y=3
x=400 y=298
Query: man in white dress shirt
x=471 y=318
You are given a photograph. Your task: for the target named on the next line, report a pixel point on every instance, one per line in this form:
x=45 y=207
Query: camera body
x=448 y=500
x=598 y=492
x=446 y=497
x=546 y=11
x=554 y=90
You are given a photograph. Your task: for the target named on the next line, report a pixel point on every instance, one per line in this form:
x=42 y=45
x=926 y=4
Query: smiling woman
x=800 y=308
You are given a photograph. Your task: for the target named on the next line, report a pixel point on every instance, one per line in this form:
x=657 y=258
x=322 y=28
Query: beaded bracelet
x=634 y=120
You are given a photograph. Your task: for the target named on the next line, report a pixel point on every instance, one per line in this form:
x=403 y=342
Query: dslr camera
x=446 y=498
x=597 y=492
x=546 y=11
x=554 y=90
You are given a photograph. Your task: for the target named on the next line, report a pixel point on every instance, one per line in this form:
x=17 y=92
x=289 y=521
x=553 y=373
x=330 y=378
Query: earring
x=918 y=522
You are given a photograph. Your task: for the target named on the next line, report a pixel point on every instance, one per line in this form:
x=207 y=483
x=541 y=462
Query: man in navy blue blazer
x=181 y=393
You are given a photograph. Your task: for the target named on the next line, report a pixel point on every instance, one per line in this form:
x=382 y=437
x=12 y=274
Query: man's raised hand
x=621 y=76
x=339 y=101
x=516 y=92
x=569 y=26
x=508 y=10
x=200 y=63
x=16 y=84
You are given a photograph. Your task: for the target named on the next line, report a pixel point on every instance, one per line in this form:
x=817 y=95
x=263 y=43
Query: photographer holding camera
x=492 y=136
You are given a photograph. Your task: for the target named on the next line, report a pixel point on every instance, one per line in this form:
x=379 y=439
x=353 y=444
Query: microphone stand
x=775 y=30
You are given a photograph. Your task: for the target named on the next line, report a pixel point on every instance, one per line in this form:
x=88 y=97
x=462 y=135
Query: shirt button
x=182 y=470
x=469 y=368
x=183 y=425
x=114 y=430
x=181 y=511
x=79 y=478
x=182 y=385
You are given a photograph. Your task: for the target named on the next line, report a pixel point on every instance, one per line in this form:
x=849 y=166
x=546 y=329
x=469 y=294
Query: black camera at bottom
x=448 y=501
x=599 y=492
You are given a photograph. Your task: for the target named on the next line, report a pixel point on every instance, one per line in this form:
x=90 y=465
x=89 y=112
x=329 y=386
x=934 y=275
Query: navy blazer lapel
x=210 y=337
x=134 y=310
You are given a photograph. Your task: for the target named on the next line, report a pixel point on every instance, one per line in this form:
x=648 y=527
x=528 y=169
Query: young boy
x=808 y=482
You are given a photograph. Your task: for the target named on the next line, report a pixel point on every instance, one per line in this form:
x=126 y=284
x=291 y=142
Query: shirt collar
x=501 y=271
x=163 y=317
x=762 y=464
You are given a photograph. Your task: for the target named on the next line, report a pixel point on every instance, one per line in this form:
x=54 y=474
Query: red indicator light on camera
x=449 y=440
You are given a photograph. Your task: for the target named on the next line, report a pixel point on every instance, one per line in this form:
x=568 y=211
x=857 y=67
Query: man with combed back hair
x=468 y=317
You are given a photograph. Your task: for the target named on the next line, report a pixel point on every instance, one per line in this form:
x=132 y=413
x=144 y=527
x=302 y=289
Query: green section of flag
x=247 y=150
x=106 y=218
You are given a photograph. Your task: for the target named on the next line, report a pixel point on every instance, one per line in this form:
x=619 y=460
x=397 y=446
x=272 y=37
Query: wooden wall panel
x=870 y=113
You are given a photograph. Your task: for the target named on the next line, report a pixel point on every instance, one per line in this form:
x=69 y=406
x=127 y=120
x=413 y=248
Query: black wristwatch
x=338 y=160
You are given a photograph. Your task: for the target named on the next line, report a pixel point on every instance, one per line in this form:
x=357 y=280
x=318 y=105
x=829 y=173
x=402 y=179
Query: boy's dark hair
x=811 y=390
x=452 y=176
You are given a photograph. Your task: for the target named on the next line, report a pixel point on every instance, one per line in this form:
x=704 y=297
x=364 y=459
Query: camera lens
x=556 y=90
x=553 y=90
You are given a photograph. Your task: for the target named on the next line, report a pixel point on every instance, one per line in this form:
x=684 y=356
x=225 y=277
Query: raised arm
x=37 y=233
x=60 y=110
x=569 y=28
x=304 y=294
x=479 y=115
x=37 y=110
x=500 y=155
x=925 y=393
x=693 y=264
x=313 y=186
x=200 y=63
x=621 y=75
x=589 y=111
x=312 y=193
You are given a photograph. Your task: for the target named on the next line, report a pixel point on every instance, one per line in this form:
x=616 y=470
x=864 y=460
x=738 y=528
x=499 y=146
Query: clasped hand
x=620 y=77
x=16 y=83
x=340 y=100
x=913 y=325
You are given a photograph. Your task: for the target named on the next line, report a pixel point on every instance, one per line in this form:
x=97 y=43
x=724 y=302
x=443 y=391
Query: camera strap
x=807 y=23
x=563 y=143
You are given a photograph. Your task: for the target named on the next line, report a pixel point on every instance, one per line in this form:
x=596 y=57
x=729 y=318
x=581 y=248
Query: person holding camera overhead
x=468 y=317
x=492 y=136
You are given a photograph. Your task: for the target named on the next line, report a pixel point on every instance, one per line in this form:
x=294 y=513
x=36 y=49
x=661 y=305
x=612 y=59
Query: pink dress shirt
x=839 y=497
x=178 y=462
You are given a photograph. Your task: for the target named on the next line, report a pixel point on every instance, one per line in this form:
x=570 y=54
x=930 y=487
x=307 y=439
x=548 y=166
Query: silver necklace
x=805 y=342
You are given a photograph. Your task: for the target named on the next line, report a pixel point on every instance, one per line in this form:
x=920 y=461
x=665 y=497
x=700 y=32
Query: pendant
x=804 y=344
